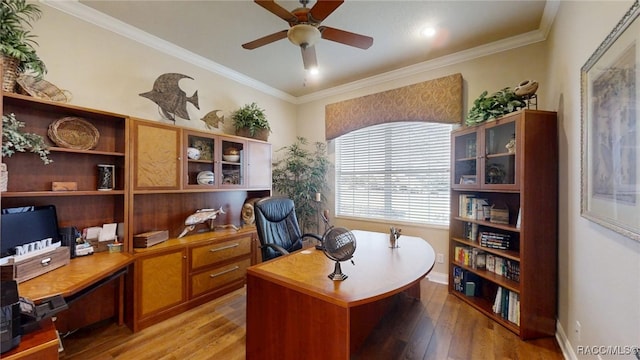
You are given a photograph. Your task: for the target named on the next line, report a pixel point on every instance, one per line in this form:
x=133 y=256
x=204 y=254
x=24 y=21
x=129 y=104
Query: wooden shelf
x=14 y=194
x=509 y=254
x=88 y=152
x=531 y=194
x=485 y=307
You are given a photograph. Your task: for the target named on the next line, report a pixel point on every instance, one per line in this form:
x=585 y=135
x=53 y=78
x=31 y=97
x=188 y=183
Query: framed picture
x=610 y=143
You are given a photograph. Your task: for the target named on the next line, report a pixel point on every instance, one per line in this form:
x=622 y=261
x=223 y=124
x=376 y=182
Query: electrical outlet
x=440 y=259
x=578 y=331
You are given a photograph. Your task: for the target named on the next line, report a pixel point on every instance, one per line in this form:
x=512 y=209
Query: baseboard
x=438 y=277
x=563 y=341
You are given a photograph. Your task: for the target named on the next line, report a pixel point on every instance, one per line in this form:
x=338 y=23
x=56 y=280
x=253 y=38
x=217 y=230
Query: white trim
x=83 y=12
x=563 y=341
x=90 y=15
x=438 y=277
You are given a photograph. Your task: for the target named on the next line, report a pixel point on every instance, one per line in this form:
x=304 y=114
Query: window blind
x=395 y=171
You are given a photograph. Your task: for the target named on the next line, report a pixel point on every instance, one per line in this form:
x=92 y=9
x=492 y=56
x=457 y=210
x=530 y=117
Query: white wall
x=599 y=283
x=489 y=73
x=107 y=71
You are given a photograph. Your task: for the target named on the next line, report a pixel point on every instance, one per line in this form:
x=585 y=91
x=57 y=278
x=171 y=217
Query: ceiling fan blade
x=345 y=37
x=309 y=57
x=324 y=8
x=265 y=40
x=278 y=10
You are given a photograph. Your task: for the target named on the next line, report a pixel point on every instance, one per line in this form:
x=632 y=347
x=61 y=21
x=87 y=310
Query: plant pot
x=259 y=135
x=4 y=177
x=9 y=72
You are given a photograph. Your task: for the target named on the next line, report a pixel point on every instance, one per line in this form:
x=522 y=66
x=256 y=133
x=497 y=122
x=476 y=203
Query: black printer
x=10 y=327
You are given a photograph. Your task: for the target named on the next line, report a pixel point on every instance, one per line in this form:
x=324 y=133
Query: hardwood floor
x=439 y=326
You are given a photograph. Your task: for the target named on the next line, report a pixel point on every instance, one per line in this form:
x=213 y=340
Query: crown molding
x=92 y=16
x=413 y=70
x=83 y=12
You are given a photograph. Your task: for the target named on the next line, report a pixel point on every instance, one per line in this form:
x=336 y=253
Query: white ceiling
x=213 y=31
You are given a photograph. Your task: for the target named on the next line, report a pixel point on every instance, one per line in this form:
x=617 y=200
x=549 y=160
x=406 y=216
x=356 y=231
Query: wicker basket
x=73 y=133
x=41 y=89
x=4 y=177
x=9 y=72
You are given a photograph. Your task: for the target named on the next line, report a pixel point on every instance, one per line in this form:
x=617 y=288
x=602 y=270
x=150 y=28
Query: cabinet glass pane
x=200 y=157
x=465 y=148
x=500 y=166
x=232 y=160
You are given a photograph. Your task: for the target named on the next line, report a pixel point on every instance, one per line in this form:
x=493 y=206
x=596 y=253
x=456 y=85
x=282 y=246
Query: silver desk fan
x=339 y=244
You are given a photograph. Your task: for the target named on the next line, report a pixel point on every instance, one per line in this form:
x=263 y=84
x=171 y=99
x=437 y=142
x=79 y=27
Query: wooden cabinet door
x=157 y=156
x=161 y=281
x=259 y=165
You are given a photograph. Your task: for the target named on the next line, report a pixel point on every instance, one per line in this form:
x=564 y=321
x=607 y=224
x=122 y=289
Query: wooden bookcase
x=523 y=178
x=30 y=180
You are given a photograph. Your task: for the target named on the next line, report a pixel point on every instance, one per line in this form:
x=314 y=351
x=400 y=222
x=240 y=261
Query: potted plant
x=250 y=121
x=17 y=44
x=300 y=175
x=15 y=140
x=497 y=104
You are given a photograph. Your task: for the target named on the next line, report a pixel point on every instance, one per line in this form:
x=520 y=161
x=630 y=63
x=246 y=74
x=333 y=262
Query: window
x=395 y=171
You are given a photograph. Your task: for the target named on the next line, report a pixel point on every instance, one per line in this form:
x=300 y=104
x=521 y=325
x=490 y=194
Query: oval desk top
x=379 y=270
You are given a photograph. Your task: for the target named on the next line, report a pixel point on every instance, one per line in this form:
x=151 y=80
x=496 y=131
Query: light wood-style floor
x=439 y=326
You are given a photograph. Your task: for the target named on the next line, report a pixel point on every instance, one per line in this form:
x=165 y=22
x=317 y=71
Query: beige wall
x=599 y=269
x=107 y=71
x=599 y=283
x=489 y=73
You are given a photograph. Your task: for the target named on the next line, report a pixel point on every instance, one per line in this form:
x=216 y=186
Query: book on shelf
x=466 y=282
x=507 y=305
x=478 y=259
x=471 y=231
x=472 y=207
x=498 y=265
x=495 y=240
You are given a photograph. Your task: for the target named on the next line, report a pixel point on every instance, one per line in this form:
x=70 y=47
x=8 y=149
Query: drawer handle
x=225 y=271
x=45 y=261
x=225 y=247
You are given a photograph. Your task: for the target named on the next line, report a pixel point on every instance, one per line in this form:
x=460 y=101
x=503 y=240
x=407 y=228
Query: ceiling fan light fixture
x=303 y=35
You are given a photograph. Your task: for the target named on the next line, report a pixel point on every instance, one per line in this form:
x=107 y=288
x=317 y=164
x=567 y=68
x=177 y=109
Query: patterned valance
x=438 y=100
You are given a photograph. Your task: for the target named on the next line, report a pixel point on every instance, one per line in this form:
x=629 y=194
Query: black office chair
x=278 y=228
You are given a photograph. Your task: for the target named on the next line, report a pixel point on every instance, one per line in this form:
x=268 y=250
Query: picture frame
x=610 y=136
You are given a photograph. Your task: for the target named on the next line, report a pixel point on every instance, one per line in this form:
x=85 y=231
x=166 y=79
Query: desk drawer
x=216 y=277
x=212 y=253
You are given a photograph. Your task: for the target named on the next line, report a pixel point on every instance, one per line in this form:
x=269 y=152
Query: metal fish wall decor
x=212 y=119
x=171 y=100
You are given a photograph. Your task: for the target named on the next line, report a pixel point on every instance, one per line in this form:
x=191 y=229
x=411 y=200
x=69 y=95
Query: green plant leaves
x=490 y=107
x=15 y=140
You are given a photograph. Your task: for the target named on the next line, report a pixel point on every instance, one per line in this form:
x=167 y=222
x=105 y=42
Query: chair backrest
x=276 y=223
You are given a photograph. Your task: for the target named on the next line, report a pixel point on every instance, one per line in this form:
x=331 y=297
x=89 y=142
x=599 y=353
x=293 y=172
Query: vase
x=9 y=72
x=4 y=177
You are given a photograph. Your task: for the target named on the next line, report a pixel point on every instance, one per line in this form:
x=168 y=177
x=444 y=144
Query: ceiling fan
x=305 y=29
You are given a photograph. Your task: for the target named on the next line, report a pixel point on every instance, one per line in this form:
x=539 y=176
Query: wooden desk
x=41 y=344
x=80 y=274
x=293 y=308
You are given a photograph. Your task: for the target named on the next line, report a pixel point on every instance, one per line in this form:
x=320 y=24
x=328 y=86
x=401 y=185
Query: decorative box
x=26 y=269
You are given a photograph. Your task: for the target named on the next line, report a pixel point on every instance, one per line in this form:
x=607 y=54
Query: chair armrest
x=315 y=236
x=277 y=248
